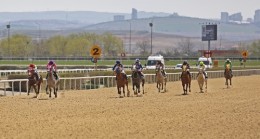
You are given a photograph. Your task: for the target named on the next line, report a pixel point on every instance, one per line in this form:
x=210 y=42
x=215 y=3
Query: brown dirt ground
x=218 y=113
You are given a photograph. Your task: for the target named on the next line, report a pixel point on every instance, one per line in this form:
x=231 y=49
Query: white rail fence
x=18 y=86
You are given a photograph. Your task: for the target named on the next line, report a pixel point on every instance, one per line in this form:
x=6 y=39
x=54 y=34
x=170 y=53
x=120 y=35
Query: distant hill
x=66 y=22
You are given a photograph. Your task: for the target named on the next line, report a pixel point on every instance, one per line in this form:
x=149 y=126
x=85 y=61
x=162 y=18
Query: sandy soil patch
x=218 y=113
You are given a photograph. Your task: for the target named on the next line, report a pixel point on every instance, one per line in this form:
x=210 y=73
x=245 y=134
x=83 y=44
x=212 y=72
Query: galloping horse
x=52 y=83
x=121 y=82
x=201 y=79
x=136 y=80
x=161 y=80
x=185 y=79
x=33 y=82
x=228 y=75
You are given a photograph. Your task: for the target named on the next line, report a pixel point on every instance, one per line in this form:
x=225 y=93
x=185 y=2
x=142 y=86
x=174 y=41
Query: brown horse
x=52 y=83
x=186 y=80
x=121 y=82
x=201 y=80
x=160 y=79
x=33 y=82
x=136 y=81
x=228 y=75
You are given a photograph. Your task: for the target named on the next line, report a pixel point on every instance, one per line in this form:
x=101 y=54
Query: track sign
x=95 y=51
x=244 y=54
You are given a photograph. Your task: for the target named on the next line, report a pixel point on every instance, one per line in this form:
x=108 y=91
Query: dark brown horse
x=160 y=79
x=121 y=83
x=52 y=83
x=228 y=75
x=33 y=82
x=186 y=80
x=136 y=81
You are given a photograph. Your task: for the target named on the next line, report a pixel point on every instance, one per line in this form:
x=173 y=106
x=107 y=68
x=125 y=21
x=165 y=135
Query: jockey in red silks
x=33 y=67
x=52 y=65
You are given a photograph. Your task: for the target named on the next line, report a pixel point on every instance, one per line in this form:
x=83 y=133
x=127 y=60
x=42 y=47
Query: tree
x=112 y=45
x=255 y=48
x=185 y=45
x=143 y=46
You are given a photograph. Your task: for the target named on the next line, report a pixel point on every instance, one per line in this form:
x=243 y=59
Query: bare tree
x=185 y=46
x=143 y=45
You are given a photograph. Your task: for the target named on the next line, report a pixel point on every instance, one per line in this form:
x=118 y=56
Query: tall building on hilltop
x=257 y=16
x=236 y=17
x=224 y=17
x=134 y=13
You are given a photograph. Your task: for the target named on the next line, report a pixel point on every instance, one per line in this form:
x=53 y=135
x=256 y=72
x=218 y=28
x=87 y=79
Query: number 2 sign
x=95 y=51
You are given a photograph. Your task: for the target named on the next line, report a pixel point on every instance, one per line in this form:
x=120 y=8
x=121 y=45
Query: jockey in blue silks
x=139 y=68
x=117 y=65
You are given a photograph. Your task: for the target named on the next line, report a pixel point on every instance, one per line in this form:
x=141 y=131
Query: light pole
x=151 y=25
x=130 y=36
x=8 y=32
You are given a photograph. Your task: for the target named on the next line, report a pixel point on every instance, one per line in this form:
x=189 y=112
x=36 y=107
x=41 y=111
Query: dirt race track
x=218 y=113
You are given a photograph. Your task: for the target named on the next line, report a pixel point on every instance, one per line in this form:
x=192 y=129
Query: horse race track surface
x=218 y=113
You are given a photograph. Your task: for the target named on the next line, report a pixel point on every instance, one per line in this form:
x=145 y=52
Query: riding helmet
x=201 y=63
x=228 y=60
x=137 y=60
x=117 y=62
x=50 y=62
x=32 y=65
x=185 y=62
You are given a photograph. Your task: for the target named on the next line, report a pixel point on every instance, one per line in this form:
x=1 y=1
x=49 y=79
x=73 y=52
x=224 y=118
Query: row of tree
x=60 y=46
x=79 y=45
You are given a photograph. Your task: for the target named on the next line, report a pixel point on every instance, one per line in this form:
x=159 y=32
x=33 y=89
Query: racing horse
x=136 y=81
x=160 y=79
x=121 y=82
x=186 y=80
x=51 y=82
x=228 y=75
x=33 y=82
x=201 y=80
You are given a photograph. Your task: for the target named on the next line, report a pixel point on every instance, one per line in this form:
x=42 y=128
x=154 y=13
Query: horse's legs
x=143 y=85
x=50 y=92
x=189 y=85
x=55 y=92
x=165 y=85
x=29 y=88
x=230 y=81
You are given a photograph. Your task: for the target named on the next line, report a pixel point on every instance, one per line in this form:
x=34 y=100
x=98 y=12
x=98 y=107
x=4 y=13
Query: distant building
x=257 y=16
x=224 y=17
x=134 y=13
x=236 y=17
x=249 y=20
x=119 y=18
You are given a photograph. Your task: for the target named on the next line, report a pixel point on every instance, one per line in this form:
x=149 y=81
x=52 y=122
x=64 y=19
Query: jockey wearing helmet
x=185 y=62
x=52 y=65
x=119 y=65
x=139 y=67
x=161 y=66
x=202 y=65
x=230 y=64
x=33 y=67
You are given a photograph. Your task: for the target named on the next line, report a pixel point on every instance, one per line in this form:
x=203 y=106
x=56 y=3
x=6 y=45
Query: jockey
x=52 y=64
x=161 y=65
x=139 y=68
x=117 y=65
x=202 y=65
x=33 y=67
x=226 y=63
x=185 y=62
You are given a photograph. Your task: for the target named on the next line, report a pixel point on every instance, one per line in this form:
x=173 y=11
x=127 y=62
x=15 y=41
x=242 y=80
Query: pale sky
x=192 y=8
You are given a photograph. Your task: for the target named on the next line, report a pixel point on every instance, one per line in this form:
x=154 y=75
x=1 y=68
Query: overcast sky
x=192 y=8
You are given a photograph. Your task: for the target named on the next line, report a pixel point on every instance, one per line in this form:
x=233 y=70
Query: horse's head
x=118 y=70
x=30 y=72
x=228 y=67
x=184 y=68
x=200 y=70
